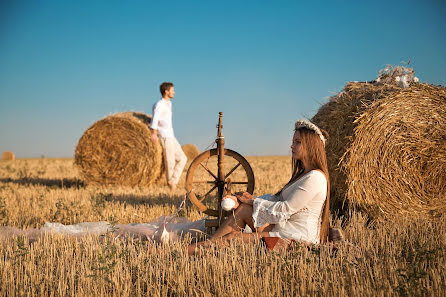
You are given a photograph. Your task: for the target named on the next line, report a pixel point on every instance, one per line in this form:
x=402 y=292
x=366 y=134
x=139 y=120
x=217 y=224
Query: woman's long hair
x=314 y=153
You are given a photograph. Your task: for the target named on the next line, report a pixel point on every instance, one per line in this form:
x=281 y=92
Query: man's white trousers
x=174 y=157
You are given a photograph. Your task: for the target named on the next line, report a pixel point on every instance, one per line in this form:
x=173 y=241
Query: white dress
x=296 y=213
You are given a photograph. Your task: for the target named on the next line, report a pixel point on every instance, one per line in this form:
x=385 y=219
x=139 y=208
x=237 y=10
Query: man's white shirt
x=162 y=118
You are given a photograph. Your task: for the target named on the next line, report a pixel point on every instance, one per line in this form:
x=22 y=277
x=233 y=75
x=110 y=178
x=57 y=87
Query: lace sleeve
x=264 y=212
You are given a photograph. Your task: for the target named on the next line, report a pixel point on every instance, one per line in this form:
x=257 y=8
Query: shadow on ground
x=132 y=199
x=64 y=183
x=160 y=199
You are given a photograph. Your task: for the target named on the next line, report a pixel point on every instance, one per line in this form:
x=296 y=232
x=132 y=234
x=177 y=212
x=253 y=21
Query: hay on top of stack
x=117 y=150
x=363 y=157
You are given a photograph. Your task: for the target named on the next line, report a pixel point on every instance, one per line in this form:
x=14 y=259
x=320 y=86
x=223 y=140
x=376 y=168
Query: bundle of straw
x=117 y=150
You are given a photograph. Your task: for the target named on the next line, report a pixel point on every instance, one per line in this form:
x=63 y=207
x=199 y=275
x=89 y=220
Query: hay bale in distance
x=9 y=156
x=191 y=151
x=117 y=150
x=397 y=160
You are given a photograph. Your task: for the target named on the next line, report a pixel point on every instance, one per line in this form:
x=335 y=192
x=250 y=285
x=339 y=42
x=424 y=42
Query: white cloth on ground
x=164 y=229
x=296 y=213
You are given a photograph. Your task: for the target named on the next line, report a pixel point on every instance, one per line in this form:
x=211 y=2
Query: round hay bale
x=349 y=148
x=117 y=150
x=338 y=117
x=191 y=151
x=396 y=162
x=8 y=156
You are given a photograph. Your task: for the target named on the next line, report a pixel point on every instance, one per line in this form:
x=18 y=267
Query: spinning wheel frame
x=221 y=181
x=220 y=184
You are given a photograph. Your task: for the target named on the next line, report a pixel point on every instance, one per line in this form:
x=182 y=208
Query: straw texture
x=397 y=160
x=387 y=148
x=117 y=150
x=337 y=117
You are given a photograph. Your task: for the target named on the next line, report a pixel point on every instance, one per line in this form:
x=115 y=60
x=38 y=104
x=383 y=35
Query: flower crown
x=309 y=125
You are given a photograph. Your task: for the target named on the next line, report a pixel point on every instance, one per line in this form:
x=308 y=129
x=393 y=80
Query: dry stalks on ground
x=402 y=257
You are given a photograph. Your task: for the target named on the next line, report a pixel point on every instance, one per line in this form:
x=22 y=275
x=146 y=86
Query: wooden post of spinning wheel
x=204 y=177
x=220 y=158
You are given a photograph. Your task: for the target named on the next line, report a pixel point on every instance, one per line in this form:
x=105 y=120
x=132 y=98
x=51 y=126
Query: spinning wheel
x=207 y=181
x=202 y=181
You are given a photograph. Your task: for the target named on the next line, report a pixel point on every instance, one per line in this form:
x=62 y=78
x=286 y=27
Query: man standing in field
x=162 y=129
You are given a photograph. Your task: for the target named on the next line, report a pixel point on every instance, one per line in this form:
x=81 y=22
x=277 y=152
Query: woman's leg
x=231 y=229
x=246 y=237
x=241 y=218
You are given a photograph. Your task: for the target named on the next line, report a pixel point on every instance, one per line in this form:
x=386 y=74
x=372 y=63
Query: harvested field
x=402 y=257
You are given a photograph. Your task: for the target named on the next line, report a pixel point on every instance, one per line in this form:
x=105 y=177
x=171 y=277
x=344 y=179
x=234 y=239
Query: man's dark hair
x=165 y=86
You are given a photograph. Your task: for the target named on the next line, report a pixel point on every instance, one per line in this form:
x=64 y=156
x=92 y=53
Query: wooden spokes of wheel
x=202 y=182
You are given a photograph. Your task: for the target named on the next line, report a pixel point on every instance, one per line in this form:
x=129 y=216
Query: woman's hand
x=245 y=197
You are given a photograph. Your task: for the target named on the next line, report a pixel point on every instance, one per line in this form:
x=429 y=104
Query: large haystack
x=337 y=118
x=394 y=152
x=9 y=156
x=397 y=160
x=191 y=151
x=117 y=150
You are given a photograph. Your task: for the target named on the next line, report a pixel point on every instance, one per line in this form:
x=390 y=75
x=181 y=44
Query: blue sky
x=66 y=64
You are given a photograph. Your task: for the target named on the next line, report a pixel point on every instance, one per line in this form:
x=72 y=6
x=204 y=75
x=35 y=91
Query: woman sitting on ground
x=299 y=211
